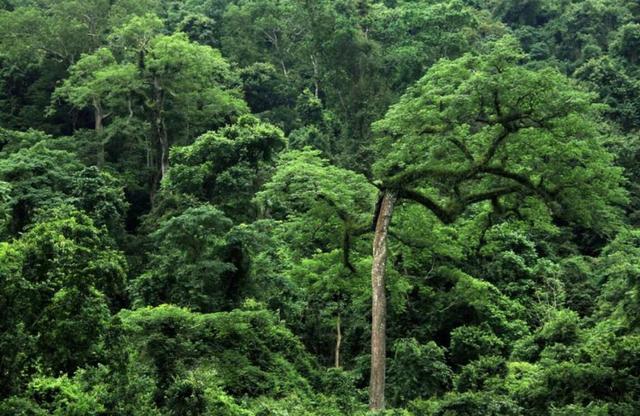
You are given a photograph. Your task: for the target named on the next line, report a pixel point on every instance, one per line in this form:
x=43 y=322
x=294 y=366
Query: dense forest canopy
x=320 y=207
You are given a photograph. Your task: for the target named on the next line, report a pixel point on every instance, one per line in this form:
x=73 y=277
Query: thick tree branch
x=461 y=146
x=449 y=215
x=410 y=176
x=496 y=103
x=489 y=195
x=410 y=243
x=346 y=249
x=519 y=178
x=349 y=232
x=495 y=144
x=442 y=213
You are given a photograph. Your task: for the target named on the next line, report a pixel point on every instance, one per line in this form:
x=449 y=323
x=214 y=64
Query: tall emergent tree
x=180 y=88
x=99 y=82
x=485 y=129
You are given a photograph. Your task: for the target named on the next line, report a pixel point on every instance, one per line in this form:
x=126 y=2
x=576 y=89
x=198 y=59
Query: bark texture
x=379 y=302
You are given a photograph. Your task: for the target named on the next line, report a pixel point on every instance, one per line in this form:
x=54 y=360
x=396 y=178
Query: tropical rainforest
x=320 y=207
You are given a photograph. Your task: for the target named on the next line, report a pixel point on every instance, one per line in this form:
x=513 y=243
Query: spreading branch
x=489 y=195
x=443 y=214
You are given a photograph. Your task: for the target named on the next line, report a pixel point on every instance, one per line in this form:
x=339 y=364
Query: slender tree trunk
x=164 y=149
x=316 y=76
x=273 y=38
x=161 y=128
x=98 y=116
x=284 y=69
x=379 y=305
x=338 y=342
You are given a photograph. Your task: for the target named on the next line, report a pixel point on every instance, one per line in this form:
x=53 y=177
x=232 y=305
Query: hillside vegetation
x=319 y=207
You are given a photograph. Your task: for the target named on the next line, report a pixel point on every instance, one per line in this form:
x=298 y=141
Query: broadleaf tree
x=486 y=129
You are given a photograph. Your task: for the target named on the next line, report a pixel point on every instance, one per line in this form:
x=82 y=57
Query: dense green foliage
x=189 y=191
